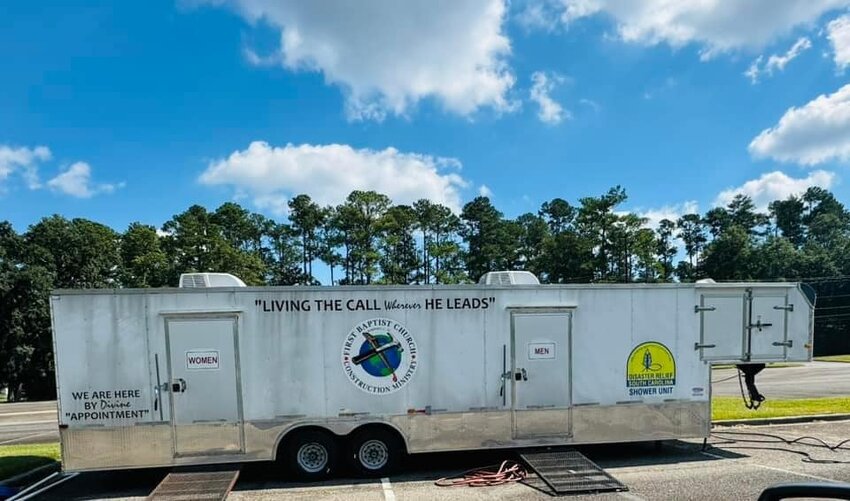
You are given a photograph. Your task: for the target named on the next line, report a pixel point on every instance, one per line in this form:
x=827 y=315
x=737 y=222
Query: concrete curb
x=781 y=420
x=22 y=478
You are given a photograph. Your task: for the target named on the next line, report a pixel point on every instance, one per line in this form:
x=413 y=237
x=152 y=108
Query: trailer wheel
x=311 y=454
x=374 y=452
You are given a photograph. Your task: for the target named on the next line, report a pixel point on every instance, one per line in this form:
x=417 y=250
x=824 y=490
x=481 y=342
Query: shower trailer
x=316 y=376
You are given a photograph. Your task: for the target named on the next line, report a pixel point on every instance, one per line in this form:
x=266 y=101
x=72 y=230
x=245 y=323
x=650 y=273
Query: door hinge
x=698 y=346
x=787 y=307
x=788 y=343
x=698 y=308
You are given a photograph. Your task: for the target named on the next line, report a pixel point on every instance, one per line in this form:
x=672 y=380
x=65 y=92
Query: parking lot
x=679 y=470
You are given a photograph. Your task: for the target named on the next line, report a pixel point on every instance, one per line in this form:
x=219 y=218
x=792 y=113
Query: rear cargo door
x=768 y=332
x=750 y=325
x=206 y=410
x=541 y=373
x=722 y=333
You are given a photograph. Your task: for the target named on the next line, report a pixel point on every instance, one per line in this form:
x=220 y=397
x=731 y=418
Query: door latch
x=521 y=375
x=178 y=386
x=760 y=325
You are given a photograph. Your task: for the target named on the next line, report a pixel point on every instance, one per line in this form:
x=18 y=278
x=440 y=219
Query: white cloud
x=838 y=33
x=76 y=181
x=672 y=212
x=387 y=56
x=542 y=15
x=775 y=186
x=754 y=70
x=257 y=60
x=817 y=132
x=549 y=110
x=485 y=191
x=24 y=161
x=590 y=103
x=777 y=62
x=328 y=173
x=716 y=25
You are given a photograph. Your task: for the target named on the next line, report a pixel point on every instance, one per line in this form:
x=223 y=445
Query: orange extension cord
x=509 y=471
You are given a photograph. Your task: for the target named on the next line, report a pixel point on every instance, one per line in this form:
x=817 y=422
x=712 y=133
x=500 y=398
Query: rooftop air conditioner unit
x=205 y=280
x=509 y=278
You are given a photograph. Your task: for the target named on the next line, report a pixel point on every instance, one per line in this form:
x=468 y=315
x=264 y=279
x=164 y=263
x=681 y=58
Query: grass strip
x=834 y=358
x=17 y=459
x=733 y=407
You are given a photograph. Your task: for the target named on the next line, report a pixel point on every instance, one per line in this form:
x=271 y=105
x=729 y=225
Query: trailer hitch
x=749 y=372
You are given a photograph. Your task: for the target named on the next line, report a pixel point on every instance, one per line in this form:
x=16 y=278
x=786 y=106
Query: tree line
x=369 y=240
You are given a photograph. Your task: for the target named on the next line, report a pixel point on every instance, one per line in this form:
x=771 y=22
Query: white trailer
x=312 y=376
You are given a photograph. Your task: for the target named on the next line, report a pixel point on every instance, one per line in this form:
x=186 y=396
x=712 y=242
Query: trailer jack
x=747 y=376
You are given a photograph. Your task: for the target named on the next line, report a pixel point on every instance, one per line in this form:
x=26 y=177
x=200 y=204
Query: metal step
x=195 y=485
x=569 y=472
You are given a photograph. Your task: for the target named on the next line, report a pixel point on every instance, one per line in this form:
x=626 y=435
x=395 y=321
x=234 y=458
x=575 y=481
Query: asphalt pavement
x=737 y=465
x=28 y=422
x=810 y=380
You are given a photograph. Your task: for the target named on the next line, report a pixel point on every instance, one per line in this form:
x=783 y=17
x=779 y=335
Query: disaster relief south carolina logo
x=650 y=370
x=379 y=356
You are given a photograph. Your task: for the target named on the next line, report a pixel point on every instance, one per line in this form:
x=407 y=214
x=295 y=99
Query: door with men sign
x=541 y=373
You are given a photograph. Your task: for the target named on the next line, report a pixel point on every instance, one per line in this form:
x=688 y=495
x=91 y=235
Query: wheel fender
x=337 y=429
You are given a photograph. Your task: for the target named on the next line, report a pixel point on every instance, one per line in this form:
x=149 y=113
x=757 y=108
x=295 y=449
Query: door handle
x=179 y=386
x=521 y=375
x=504 y=377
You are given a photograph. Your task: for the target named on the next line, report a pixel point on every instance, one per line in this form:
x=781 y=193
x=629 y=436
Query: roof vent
x=205 y=280
x=509 y=278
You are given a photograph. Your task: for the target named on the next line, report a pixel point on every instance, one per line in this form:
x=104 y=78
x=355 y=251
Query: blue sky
x=131 y=111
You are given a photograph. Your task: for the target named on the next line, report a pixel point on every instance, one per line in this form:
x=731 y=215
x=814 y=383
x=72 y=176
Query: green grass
x=834 y=358
x=16 y=459
x=733 y=408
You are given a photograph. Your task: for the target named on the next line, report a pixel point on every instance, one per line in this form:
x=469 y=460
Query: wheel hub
x=374 y=454
x=312 y=457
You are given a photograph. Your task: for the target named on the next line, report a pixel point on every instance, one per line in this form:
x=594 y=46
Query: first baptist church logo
x=379 y=356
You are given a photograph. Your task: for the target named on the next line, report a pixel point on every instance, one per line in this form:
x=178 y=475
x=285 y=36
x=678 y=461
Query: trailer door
x=206 y=410
x=722 y=326
x=750 y=325
x=541 y=373
x=768 y=332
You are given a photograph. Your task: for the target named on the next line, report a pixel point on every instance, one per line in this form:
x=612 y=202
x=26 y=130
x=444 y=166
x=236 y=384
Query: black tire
x=375 y=452
x=310 y=455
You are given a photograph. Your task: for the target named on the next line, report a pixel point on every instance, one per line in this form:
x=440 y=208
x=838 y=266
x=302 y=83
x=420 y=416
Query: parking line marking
x=389 y=495
x=5 y=414
x=25 y=437
x=793 y=472
x=773 y=468
x=18 y=423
